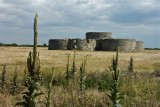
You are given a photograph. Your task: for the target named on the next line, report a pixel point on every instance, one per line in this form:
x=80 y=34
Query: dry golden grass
x=139 y=91
x=148 y=60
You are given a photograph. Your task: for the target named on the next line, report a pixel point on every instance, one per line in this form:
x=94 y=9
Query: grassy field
x=142 y=90
x=146 y=61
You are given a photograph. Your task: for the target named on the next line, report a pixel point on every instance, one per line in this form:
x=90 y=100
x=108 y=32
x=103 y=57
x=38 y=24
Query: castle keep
x=100 y=41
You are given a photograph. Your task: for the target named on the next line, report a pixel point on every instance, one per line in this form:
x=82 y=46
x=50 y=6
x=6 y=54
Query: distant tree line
x=23 y=45
x=45 y=45
x=12 y=44
x=152 y=48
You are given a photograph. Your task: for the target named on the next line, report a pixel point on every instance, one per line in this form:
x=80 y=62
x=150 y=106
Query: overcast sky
x=134 y=19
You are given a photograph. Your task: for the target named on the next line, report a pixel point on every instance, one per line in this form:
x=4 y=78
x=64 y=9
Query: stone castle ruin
x=99 y=41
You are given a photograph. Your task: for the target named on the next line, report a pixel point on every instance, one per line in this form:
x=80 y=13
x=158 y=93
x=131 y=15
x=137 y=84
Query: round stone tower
x=125 y=45
x=98 y=35
x=57 y=44
x=139 y=46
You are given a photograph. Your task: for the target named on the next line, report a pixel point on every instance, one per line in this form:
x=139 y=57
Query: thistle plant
x=33 y=61
x=114 y=95
x=48 y=98
x=73 y=69
x=25 y=74
x=82 y=76
x=130 y=67
x=67 y=76
x=14 y=84
x=33 y=77
x=3 y=77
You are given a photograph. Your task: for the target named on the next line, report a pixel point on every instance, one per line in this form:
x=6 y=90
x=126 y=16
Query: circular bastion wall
x=98 y=35
x=81 y=44
x=125 y=45
x=57 y=44
x=139 y=46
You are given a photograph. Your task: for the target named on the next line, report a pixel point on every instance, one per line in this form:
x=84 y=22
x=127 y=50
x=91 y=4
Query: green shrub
x=104 y=81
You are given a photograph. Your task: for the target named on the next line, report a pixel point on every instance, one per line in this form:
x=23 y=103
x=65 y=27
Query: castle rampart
x=102 y=41
x=125 y=45
x=98 y=45
x=139 y=46
x=81 y=44
x=98 y=35
x=57 y=44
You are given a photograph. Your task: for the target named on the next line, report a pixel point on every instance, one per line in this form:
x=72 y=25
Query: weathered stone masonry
x=125 y=45
x=81 y=44
x=57 y=44
x=139 y=46
x=98 y=35
x=102 y=41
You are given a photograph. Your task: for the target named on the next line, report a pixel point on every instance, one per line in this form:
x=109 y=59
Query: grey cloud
x=134 y=17
x=82 y=2
x=16 y=14
x=75 y=17
x=129 y=12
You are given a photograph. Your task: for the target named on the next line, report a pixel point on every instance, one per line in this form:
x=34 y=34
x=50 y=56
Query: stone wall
x=71 y=43
x=57 y=44
x=98 y=45
x=98 y=35
x=100 y=41
x=82 y=44
x=139 y=46
x=125 y=45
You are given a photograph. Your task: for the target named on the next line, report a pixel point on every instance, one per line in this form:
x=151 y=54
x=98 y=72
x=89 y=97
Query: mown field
x=139 y=90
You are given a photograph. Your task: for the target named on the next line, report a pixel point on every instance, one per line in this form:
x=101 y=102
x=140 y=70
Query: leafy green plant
x=14 y=84
x=73 y=69
x=114 y=95
x=91 y=80
x=104 y=81
x=82 y=76
x=67 y=76
x=33 y=77
x=48 y=98
x=130 y=67
x=3 y=77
